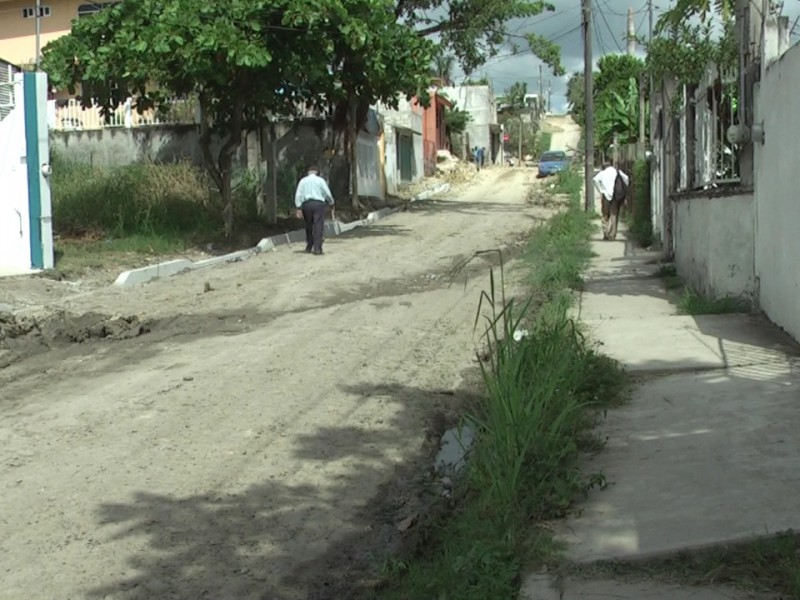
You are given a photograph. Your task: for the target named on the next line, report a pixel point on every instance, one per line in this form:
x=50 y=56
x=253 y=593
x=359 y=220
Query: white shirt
x=312 y=187
x=604 y=181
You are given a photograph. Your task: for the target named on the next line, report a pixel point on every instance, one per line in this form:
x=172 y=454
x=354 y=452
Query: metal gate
x=405 y=156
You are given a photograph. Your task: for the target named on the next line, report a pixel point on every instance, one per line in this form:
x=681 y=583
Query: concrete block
x=345 y=227
x=439 y=189
x=145 y=274
x=225 y=258
x=296 y=237
x=279 y=240
x=332 y=228
x=265 y=245
x=379 y=214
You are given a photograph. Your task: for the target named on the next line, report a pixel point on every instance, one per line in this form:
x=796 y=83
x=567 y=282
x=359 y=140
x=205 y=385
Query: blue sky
x=563 y=26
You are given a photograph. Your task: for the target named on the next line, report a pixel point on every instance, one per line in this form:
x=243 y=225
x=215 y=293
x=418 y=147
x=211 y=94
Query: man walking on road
x=612 y=185
x=311 y=199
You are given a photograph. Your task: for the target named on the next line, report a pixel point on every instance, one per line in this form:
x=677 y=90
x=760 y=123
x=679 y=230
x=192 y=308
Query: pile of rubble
x=451 y=169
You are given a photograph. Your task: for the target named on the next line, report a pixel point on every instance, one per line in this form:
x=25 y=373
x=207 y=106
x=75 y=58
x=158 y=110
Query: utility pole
x=631 y=33
x=540 y=98
x=650 y=87
x=588 y=92
x=38 y=30
x=549 y=94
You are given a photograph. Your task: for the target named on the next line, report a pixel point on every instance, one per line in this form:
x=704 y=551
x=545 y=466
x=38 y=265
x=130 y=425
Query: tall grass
x=143 y=199
x=542 y=392
x=639 y=219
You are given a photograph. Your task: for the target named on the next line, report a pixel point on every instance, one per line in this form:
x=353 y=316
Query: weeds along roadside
x=544 y=390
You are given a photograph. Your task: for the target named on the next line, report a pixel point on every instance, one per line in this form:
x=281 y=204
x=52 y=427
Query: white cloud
x=563 y=25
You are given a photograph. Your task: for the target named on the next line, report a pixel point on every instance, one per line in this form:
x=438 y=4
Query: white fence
x=71 y=116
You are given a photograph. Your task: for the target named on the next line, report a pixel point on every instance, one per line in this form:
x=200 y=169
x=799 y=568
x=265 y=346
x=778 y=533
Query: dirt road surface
x=565 y=133
x=247 y=440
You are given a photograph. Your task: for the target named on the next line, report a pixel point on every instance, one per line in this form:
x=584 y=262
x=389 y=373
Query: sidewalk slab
x=680 y=343
x=538 y=588
x=694 y=460
x=706 y=451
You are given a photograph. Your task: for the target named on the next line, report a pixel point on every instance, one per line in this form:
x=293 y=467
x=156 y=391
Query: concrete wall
x=478 y=101
x=120 y=146
x=299 y=144
x=714 y=243
x=777 y=181
x=407 y=117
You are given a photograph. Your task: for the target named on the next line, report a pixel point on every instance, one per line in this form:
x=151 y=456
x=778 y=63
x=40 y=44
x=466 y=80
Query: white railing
x=72 y=116
x=6 y=89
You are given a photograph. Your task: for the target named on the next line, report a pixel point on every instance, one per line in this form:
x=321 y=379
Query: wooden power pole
x=588 y=92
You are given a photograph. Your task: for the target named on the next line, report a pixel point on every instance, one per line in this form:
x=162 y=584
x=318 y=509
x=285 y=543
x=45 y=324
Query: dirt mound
x=24 y=335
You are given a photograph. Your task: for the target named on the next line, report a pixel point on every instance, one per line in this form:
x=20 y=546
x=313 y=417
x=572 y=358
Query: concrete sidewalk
x=706 y=452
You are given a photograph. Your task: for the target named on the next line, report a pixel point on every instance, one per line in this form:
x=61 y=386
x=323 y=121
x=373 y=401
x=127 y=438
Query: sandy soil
x=565 y=133
x=240 y=432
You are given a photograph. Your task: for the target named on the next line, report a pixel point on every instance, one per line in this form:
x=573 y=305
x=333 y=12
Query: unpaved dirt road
x=248 y=443
x=565 y=133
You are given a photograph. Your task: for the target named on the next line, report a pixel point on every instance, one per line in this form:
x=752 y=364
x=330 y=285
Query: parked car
x=552 y=162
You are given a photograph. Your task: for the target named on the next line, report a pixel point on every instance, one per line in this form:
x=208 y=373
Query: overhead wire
x=611 y=31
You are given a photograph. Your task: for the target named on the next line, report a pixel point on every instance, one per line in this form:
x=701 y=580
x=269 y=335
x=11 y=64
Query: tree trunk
x=353 y=129
x=221 y=171
x=271 y=179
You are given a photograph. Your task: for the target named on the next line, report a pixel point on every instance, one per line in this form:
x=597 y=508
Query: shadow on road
x=282 y=541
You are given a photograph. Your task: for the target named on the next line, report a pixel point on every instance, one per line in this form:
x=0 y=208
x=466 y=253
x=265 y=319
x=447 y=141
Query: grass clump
x=543 y=389
x=638 y=217
x=767 y=565
x=692 y=303
x=138 y=199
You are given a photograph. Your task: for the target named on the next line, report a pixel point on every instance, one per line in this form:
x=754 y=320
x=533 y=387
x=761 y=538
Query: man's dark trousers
x=314 y=215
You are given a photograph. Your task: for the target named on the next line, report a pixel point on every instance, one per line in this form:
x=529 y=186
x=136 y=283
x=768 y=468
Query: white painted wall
x=714 y=244
x=405 y=118
x=479 y=102
x=777 y=189
x=15 y=245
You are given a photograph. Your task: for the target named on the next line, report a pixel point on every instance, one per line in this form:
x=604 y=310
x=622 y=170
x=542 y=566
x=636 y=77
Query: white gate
x=26 y=240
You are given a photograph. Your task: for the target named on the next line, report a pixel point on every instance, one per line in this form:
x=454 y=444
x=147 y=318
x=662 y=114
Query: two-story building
x=18 y=25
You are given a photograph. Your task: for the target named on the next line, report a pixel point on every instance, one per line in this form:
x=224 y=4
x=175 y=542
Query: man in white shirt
x=311 y=199
x=612 y=185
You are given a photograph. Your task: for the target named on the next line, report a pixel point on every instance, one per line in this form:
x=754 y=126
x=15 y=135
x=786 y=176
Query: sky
x=564 y=27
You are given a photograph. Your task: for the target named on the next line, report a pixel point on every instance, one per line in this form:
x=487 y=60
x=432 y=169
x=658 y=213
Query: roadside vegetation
x=545 y=385
x=637 y=217
x=691 y=302
x=109 y=216
x=769 y=565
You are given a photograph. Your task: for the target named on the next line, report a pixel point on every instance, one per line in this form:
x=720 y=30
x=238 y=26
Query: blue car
x=552 y=162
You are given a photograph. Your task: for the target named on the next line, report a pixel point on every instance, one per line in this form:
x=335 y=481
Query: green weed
x=770 y=564
x=143 y=199
x=542 y=392
x=638 y=218
x=692 y=303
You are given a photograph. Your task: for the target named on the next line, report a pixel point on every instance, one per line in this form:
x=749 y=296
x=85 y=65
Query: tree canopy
x=616 y=98
x=242 y=59
x=246 y=60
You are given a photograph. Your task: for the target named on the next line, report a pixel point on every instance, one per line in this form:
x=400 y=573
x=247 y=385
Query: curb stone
x=332 y=229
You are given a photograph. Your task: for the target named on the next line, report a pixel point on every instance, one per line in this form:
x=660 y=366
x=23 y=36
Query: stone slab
x=680 y=343
x=539 y=588
x=695 y=460
x=150 y=272
x=221 y=260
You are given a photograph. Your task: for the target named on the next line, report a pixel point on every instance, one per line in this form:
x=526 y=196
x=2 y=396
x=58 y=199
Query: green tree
x=442 y=67
x=577 y=98
x=473 y=30
x=244 y=60
x=514 y=96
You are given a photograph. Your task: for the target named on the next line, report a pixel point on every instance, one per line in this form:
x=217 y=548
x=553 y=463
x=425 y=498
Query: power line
x=611 y=31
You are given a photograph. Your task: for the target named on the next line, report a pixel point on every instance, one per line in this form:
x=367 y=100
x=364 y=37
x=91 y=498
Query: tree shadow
x=278 y=540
